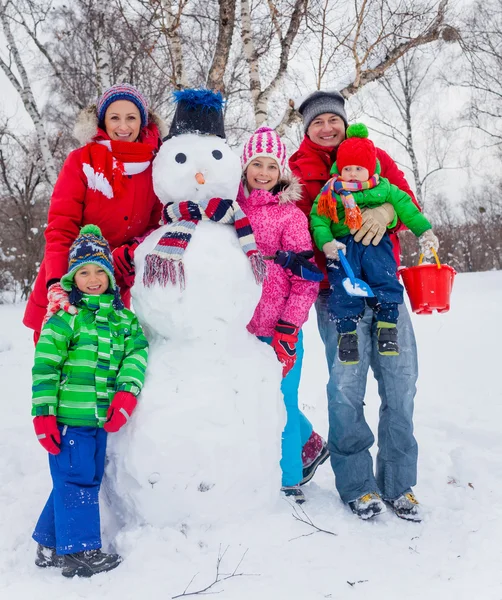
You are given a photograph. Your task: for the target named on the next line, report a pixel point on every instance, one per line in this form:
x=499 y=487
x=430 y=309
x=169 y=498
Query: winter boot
x=407 y=507
x=294 y=492
x=89 y=563
x=314 y=453
x=368 y=506
x=348 y=351
x=47 y=557
x=387 y=338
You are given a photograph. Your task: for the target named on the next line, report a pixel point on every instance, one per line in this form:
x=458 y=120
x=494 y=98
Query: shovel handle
x=421 y=258
x=347 y=268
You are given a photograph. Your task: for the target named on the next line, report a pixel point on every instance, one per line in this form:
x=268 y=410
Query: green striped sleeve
x=131 y=375
x=50 y=354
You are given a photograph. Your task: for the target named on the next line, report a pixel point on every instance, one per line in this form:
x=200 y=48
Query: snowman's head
x=195 y=167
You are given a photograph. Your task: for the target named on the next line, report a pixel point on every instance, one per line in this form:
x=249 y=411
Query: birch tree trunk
x=226 y=24
x=22 y=85
x=171 y=26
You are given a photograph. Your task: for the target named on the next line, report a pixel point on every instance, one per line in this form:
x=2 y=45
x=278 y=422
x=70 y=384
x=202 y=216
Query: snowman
x=203 y=446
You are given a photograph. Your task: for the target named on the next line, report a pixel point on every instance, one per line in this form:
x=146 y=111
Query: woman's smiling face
x=123 y=121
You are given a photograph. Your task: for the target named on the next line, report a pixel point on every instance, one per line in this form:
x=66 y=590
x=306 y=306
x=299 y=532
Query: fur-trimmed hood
x=86 y=124
x=290 y=189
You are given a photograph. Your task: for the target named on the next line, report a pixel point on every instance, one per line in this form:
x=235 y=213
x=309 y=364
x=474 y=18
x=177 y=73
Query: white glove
x=427 y=241
x=374 y=225
x=331 y=249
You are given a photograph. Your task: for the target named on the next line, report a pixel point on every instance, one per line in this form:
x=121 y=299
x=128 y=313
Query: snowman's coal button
x=217 y=154
x=180 y=158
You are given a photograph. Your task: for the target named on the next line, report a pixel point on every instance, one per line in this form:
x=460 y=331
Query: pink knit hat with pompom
x=264 y=142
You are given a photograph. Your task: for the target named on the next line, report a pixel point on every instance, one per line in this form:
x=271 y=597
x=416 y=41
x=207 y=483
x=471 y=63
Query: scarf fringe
x=259 y=267
x=327 y=202
x=163 y=271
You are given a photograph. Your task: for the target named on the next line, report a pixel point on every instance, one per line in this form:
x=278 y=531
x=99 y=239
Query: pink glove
x=120 y=411
x=48 y=435
x=58 y=299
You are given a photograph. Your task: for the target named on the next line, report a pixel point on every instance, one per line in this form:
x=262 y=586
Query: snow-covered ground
x=455 y=553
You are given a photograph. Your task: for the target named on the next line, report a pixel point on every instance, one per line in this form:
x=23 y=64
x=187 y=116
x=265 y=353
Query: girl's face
x=262 y=174
x=123 y=121
x=92 y=279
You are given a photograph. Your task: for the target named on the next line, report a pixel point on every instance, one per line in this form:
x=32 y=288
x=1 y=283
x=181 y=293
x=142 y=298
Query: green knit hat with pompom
x=357 y=149
x=89 y=248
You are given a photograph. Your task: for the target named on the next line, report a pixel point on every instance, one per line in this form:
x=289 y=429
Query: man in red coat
x=350 y=437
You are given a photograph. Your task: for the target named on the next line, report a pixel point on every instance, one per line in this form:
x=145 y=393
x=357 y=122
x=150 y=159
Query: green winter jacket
x=82 y=360
x=324 y=230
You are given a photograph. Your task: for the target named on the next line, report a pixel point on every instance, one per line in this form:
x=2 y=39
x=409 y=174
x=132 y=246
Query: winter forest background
x=426 y=75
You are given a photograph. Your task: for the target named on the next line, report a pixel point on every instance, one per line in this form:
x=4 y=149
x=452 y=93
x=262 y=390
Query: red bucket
x=428 y=286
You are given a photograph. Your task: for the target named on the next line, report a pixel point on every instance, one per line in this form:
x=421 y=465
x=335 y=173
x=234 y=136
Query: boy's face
x=92 y=279
x=262 y=174
x=354 y=173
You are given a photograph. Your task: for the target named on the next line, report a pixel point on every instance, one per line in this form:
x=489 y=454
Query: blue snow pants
x=350 y=437
x=298 y=428
x=70 y=519
x=377 y=266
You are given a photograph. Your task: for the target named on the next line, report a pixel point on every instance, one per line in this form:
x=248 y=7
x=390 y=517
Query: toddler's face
x=354 y=173
x=262 y=174
x=92 y=279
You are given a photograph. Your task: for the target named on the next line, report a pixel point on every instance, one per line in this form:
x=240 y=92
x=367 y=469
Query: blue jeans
x=298 y=428
x=350 y=437
x=70 y=519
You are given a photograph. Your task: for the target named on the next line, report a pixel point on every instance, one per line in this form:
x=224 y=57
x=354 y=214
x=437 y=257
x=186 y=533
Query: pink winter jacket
x=279 y=225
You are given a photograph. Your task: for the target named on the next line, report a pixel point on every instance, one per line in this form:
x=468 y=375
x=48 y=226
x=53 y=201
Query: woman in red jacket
x=108 y=182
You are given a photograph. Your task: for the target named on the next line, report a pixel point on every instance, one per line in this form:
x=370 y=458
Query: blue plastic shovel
x=352 y=285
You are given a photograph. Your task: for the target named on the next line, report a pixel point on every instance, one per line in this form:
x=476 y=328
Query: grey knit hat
x=319 y=103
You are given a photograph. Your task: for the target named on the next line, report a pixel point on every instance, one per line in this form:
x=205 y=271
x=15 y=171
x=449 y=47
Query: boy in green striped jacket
x=89 y=368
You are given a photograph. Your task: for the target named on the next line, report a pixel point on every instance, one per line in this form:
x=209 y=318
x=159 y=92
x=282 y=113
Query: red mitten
x=47 y=431
x=58 y=299
x=123 y=263
x=284 y=343
x=120 y=411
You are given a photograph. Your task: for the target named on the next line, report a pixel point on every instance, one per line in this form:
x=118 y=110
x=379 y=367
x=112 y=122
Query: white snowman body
x=203 y=446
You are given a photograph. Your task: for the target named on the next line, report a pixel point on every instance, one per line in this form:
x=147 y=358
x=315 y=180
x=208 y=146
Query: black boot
x=348 y=351
x=47 y=557
x=89 y=563
x=294 y=492
x=387 y=339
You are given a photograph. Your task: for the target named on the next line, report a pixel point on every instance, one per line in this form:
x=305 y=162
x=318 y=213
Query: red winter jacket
x=136 y=211
x=312 y=163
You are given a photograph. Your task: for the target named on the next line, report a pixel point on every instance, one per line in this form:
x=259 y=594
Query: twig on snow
x=218 y=577
x=308 y=521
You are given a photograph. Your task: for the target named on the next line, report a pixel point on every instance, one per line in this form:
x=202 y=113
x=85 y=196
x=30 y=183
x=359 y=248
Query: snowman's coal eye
x=180 y=158
x=217 y=154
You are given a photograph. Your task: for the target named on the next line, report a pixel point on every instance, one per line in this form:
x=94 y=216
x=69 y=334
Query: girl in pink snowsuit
x=268 y=198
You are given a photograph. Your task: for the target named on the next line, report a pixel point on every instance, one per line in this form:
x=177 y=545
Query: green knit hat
x=89 y=248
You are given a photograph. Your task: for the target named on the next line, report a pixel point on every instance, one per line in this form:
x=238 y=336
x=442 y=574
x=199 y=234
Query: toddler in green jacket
x=336 y=211
x=89 y=369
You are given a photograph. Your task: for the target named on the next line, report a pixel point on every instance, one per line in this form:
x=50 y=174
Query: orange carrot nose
x=200 y=178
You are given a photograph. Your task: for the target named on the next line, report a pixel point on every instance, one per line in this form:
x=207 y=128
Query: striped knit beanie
x=89 y=248
x=122 y=91
x=264 y=142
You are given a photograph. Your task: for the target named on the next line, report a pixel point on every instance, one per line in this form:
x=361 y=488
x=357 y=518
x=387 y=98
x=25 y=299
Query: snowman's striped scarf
x=165 y=263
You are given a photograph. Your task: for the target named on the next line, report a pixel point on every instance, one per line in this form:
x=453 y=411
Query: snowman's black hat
x=197 y=111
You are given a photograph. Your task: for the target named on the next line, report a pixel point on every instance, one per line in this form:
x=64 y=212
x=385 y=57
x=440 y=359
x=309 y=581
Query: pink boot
x=314 y=453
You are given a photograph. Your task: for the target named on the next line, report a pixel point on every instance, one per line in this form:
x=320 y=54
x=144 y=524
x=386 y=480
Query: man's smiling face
x=327 y=129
